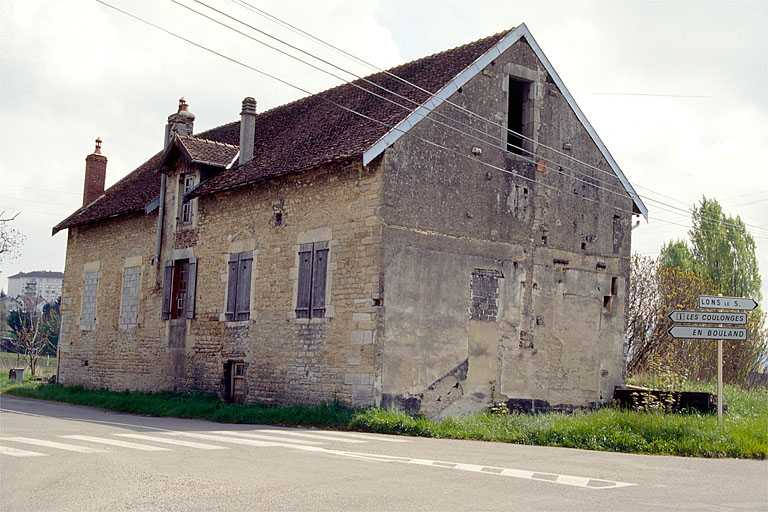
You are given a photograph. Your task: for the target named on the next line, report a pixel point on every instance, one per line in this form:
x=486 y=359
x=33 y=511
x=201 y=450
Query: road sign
x=708 y=333
x=714 y=302
x=708 y=317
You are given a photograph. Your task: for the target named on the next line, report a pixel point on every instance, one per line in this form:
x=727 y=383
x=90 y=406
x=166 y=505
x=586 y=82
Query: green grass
x=46 y=366
x=744 y=433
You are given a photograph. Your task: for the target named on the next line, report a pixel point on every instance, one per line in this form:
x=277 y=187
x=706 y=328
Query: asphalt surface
x=63 y=457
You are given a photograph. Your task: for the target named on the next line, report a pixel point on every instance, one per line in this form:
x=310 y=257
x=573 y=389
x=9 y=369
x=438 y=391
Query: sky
x=677 y=90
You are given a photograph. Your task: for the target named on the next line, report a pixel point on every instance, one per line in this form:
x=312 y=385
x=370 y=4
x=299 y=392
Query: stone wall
x=287 y=359
x=556 y=239
x=106 y=353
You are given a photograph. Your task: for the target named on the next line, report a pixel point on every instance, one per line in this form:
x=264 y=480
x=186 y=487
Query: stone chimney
x=182 y=122
x=247 y=129
x=95 y=175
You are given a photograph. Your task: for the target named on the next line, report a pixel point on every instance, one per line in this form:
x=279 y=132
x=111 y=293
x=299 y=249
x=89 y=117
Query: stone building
x=437 y=237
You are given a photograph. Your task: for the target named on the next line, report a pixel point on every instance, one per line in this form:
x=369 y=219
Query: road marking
x=238 y=440
x=570 y=480
x=122 y=444
x=177 y=442
x=263 y=437
x=312 y=436
x=52 y=444
x=574 y=481
x=15 y=452
x=355 y=435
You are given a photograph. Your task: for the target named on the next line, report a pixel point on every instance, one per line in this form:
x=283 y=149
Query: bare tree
x=27 y=323
x=10 y=239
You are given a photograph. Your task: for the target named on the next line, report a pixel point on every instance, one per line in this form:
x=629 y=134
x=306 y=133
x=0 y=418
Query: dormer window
x=187 y=183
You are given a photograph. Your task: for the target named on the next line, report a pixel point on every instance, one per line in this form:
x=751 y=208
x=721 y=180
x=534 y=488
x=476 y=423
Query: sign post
x=719 y=332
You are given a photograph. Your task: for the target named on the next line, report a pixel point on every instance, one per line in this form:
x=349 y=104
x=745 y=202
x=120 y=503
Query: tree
x=656 y=290
x=50 y=327
x=678 y=255
x=27 y=323
x=10 y=239
x=724 y=251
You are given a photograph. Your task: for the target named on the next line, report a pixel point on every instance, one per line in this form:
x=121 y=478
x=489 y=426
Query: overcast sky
x=677 y=90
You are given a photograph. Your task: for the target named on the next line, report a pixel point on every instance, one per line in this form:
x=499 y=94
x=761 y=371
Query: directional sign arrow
x=715 y=302
x=708 y=333
x=708 y=317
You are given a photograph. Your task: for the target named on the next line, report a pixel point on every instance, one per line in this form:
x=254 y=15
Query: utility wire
x=429 y=94
x=346 y=109
x=619 y=190
x=295 y=29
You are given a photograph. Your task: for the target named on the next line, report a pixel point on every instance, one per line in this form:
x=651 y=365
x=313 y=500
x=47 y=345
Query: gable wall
x=105 y=355
x=447 y=215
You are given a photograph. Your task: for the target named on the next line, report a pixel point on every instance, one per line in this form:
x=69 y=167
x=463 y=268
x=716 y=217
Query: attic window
x=518 y=94
x=188 y=182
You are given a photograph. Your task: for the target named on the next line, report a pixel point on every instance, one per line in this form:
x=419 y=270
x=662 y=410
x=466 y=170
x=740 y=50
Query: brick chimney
x=182 y=122
x=95 y=175
x=247 y=130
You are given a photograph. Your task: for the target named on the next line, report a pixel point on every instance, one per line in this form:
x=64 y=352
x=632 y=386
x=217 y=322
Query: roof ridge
x=193 y=137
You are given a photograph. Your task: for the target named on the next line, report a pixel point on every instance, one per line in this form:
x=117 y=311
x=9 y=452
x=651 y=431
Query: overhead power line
x=352 y=111
x=338 y=50
x=499 y=141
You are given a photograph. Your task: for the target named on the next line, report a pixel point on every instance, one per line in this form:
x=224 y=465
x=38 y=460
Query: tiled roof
x=208 y=152
x=300 y=135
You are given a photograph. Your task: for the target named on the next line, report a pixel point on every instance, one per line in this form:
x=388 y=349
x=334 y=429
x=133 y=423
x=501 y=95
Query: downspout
x=161 y=204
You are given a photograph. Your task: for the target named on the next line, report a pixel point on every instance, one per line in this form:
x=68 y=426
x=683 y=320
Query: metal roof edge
x=440 y=96
x=587 y=126
x=473 y=69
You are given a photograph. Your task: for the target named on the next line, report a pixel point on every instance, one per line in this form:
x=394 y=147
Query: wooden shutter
x=319 y=267
x=191 y=287
x=231 y=288
x=243 y=303
x=167 y=286
x=305 y=281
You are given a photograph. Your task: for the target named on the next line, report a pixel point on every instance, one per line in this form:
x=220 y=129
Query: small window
x=239 y=286
x=188 y=182
x=179 y=289
x=518 y=93
x=313 y=264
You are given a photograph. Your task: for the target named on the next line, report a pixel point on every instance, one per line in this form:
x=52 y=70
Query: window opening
x=313 y=264
x=180 y=288
x=515 y=110
x=186 y=206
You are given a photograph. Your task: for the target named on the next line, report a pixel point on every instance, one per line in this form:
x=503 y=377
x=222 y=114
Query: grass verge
x=744 y=433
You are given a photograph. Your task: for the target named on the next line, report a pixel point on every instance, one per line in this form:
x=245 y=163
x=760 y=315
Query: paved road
x=63 y=457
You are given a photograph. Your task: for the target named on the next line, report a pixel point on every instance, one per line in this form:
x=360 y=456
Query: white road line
x=253 y=435
x=122 y=444
x=570 y=480
x=52 y=444
x=14 y=452
x=310 y=436
x=240 y=440
x=575 y=481
x=188 y=444
x=367 y=437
